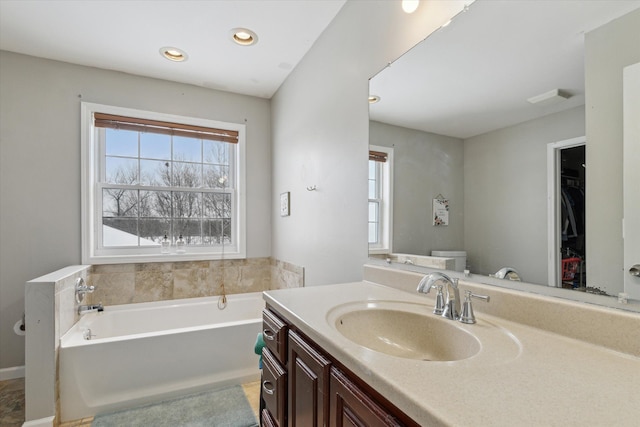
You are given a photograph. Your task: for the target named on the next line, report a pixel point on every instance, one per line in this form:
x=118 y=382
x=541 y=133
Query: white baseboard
x=42 y=422
x=11 y=373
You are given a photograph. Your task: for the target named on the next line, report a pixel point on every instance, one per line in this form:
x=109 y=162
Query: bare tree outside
x=197 y=203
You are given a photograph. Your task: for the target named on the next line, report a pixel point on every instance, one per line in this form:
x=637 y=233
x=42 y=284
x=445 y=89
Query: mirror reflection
x=478 y=151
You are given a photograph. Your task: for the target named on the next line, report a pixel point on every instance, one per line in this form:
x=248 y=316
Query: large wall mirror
x=490 y=118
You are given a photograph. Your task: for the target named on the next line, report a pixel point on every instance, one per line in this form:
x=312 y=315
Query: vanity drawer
x=274 y=387
x=267 y=419
x=274 y=334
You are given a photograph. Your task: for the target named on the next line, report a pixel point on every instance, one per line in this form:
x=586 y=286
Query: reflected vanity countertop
x=535 y=377
x=533 y=288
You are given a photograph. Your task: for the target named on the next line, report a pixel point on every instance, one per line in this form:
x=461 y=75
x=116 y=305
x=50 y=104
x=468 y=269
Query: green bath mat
x=220 y=408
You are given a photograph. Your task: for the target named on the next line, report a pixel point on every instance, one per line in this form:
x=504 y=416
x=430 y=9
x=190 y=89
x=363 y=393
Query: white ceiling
x=475 y=75
x=127 y=35
x=469 y=78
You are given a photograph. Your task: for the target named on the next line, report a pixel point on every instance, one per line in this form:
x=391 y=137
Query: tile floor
x=12 y=403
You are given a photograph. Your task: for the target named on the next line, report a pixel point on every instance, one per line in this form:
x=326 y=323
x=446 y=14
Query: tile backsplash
x=145 y=282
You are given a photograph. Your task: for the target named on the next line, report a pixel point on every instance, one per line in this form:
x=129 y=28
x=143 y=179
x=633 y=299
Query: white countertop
x=521 y=376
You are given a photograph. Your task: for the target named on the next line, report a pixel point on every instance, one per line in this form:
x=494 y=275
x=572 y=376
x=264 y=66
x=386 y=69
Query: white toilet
x=459 y=256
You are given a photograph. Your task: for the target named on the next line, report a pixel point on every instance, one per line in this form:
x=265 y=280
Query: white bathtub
x=147 y=352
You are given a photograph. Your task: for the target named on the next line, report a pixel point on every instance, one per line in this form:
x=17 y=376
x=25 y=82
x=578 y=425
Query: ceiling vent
x=549 y=98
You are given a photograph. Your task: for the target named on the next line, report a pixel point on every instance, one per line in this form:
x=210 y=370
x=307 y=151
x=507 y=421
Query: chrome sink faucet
x=450 y=308
x=507 y=273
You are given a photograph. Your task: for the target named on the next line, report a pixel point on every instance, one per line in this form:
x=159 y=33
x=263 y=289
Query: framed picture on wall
x=440 y=212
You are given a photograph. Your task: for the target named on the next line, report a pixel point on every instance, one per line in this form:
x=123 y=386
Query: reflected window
x=380 y=198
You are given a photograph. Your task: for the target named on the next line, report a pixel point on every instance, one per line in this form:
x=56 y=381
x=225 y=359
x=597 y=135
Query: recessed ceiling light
x=173 y=54
x=410 y=6
x=243 y=36
x=373 y=99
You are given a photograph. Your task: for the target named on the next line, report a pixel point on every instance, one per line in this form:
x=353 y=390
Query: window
x=380 y=198
x=149 y=175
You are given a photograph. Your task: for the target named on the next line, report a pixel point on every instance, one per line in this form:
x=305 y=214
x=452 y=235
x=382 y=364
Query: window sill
x=171 y=257
x=379 y=251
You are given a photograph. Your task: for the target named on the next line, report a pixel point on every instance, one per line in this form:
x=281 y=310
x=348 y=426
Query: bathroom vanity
x=303 y=384
x=369 y=354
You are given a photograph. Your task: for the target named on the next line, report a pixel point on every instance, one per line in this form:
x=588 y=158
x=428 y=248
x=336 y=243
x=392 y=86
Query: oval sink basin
x=405 y=333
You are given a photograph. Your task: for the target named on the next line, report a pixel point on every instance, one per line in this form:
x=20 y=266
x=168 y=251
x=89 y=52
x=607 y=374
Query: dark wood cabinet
x=308 y=372
x=274 y=334
x=266 y=420
x=274 y=387
x=351 y=406
x=304 y=386
x=274 y=374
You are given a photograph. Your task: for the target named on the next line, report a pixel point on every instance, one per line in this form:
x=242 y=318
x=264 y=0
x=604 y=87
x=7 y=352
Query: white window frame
x=91 y=219
x=385 y=214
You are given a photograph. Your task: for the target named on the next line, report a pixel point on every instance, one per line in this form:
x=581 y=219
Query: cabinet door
x=308 y=384
x=274 y=387
x=350 y=406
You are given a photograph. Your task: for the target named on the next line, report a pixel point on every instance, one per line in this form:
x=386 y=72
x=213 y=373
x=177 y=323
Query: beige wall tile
x=113 y=268
x=191 y=283
x=254 y=278
x=283 y=279
x=281 y=265
x=187 y=265
x=286 y=275
x=231 y=275
x=154 y=266
x=143 y=282
x=153 y=285
x=113 y=288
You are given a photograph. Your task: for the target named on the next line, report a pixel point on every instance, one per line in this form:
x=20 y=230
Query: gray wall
x=505 y=194
x=40 y=165
x=425 y=165
x=319 y=132
x=320 y=135
x=608 y=50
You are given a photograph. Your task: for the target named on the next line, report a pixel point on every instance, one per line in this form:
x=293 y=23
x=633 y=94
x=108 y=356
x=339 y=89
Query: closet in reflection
x=572 y=226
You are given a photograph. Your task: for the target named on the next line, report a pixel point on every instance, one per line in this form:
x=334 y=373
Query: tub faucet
x=82 y=309
x=450 y=308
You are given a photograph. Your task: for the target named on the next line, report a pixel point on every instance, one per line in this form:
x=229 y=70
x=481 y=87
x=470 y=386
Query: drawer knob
x=267 y=386
x=268 y=334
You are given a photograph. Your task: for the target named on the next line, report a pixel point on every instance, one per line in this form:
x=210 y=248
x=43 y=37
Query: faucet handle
x=439 y=307
x=467 y=315
x=82 y=289
x=425 y=286
x=81 y=286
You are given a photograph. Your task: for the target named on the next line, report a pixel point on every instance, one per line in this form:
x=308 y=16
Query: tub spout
x=89 y=308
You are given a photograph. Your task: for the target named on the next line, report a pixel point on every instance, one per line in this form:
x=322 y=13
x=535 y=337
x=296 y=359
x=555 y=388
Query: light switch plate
x=284 y=204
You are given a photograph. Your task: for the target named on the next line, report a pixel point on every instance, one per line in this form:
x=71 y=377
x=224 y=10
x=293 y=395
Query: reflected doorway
x=567 y=185
x=572 y=217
